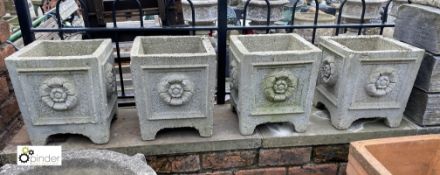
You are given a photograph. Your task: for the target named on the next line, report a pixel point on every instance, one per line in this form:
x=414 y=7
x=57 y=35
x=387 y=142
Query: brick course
x=174 y=164
x=284 y=156
x=320 y=169
x=330 y=153
x=263 y=171
x=225 y=160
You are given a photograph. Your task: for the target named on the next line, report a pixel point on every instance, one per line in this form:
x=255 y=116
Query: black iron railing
x=221 y=28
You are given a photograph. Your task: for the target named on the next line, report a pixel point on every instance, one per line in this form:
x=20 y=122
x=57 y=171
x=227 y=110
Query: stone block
x=366 y=77
x=273 y=79
x=174 y=80
x=419 y=26
x=284 y=156
x=423 y=108
x=263 y=171
x=65 y=87
x=227 y=160
x=5 y=31
x=428 y=78
x=320 y=169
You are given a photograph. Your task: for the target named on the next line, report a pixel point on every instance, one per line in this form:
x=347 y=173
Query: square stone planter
x=257 y=11
x=366 y=77
x=205 y=11
x=174 y=80
x=65 y=87
x=273 y=79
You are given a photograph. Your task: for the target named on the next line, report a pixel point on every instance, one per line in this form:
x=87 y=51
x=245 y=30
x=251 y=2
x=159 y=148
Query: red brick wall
x=9 y=111
x=316 y=160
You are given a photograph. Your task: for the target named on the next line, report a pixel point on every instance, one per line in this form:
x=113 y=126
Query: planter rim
x=263 y=3
x=201 y=2
x=321 y=17
x=137 y=163
x=207 y=46
x=241 y=48
x=104 y=43
x=330 y=40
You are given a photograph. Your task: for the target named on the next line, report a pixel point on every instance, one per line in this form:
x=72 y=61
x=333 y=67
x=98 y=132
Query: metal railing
x=28 y=32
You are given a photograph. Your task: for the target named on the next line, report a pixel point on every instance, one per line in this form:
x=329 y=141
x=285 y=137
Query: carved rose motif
x=381 y=82
x=58 y=93
x=279 y=86
x=328 y=71
x=234 y=75
x=110 y=79
x=175 y=89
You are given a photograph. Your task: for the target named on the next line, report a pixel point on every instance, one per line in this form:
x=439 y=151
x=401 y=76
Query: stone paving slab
x=126 y=138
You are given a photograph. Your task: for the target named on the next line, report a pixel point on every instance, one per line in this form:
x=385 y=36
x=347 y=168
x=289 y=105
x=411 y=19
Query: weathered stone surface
x=263 y=171
x=353 y=9
x=225 y=160
x=205 y=11
x=180 y=73
x=284 y=156
x=419 y=25
x=65 y=87
x=433 y=3
x=273 y=77
x=257 y=10
x=428 y=78
x=4 y=30
x=4 y=89
x=423 y=108
x=87 y=162
x=174 y=164
x=308 y=18
x=366 y=77
x=395 y=7
x=330 y=153
x=320 y=169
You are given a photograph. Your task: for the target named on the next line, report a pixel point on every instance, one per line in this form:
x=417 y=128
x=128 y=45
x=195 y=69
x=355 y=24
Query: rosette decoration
x=58 y=93
x=279 y=86
x=327 y=71
x=176 y=89
x=381 y=82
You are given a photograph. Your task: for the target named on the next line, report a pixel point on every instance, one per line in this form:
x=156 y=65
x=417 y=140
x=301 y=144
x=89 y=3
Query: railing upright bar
x=385 y=15
x=193 y=16
x=292 y=21
x=315 y=21
x=362 y=16
x=339 y=16
x=268 y=15
x=59 y=22
x=221 y=49
x=25 y=21
x=118 y=50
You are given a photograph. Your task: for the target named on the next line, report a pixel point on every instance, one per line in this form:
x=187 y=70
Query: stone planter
x=308 y=19
x=353 y=9
x=396 y=155
x=257 y=11
x=395 y=7
x=205 y=11
x=366 y=77
x=65 y=87
x=87 y=162
x=273 y=79
x=174 y=81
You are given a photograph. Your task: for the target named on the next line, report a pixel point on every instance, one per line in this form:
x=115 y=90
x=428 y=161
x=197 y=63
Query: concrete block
x=366 y=77
x=428 y=78
x=423 y=108
x=65 y=87
x=273 y=79
x=174 y=81
x=419 y=25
